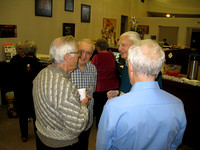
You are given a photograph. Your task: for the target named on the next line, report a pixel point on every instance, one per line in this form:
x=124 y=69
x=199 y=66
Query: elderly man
x=85 y=76
x=146 y=117
x=126 y=40
x=60 y=115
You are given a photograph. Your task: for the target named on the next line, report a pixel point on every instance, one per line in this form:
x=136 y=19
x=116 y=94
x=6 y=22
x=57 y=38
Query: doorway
x=195 y=39
x=168 y=33
x=124 y=24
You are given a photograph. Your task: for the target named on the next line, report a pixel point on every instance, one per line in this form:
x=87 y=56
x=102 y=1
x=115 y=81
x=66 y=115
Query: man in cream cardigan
x=60 y=115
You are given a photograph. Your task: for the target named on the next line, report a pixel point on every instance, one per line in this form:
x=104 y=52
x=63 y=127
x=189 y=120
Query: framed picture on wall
x=69 y=5
x=8 y=31
x=43 y=8
x=69 y=29
x=109 y=28
x=85 y=13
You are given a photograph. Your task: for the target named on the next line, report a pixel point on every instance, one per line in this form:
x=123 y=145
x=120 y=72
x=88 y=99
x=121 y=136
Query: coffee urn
x=193 y=66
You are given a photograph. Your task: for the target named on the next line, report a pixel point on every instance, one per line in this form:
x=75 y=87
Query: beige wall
x=44 y=29
x=181 y=23
x=175 y=6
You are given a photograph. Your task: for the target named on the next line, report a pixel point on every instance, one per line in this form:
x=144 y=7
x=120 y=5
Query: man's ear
x=131 y=73
x=130 y=67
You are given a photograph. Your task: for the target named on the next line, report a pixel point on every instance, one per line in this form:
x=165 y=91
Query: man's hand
x=86 y=99
x=112 y=93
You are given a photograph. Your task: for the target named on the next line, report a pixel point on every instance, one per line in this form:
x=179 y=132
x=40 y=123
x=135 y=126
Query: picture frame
x=43 y=8
x=85 y=13
x=69 y=5
x=8 y=31
x=109 y=28
x=69 y=29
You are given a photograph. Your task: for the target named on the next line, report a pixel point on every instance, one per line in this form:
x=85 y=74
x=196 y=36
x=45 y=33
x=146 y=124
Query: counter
x=189 y=93
x=178 y=57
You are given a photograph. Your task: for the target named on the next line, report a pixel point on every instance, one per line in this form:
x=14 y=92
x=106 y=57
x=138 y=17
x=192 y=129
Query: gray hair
x=19 y=44
x=60 y=47
x=102 y=43
x=29 y=47
x=87 y=41
x=132 y=35
x=146 y=57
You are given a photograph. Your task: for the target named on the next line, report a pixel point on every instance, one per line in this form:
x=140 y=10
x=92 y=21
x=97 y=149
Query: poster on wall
x=85 y=13
x=69 y=29
x=8 y=31
x=9 y=50
x=69 y=5
x=43 y=8
x=109 y=30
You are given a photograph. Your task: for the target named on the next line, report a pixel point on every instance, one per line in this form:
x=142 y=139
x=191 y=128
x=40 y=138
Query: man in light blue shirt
x=146 y=118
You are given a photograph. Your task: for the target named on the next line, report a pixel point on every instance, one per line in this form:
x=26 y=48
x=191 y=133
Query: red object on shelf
x=173 y=73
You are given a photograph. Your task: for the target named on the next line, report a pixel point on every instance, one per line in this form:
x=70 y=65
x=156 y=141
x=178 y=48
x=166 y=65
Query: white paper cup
x=82 y=93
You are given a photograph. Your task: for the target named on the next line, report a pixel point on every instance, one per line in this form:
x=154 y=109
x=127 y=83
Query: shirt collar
x=145 y=85
x=86 y=65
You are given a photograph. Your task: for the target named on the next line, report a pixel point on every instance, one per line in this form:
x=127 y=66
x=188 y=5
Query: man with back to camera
x=146 y=117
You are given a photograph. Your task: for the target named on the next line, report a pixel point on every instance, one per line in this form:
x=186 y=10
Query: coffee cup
x=82 y=93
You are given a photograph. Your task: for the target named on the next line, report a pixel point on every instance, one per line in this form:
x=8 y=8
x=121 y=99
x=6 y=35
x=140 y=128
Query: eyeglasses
x=85 y=52
x=78 y=53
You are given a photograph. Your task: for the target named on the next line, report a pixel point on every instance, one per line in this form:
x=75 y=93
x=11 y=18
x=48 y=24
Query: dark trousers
x=83 y=140
x=100 y=99
x=41 y=146
x=25 y=109
x=23 y=123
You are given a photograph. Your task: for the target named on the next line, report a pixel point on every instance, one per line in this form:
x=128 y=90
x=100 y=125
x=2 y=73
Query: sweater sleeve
x=73 y=113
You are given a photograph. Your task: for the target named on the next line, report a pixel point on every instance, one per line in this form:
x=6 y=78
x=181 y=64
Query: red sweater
x=106 y=75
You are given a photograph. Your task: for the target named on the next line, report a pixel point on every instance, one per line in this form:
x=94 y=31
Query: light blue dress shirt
x=146 y=118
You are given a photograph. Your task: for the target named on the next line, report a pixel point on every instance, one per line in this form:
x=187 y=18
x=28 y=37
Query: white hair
x=146 y=57
x=132 y=35
x=87 y=41
x=60 y=47
x=29 y=47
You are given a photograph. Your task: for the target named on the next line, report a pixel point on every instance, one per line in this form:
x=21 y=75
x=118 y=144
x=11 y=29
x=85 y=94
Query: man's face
x=124 y=45
x=86 y=52
x=20 y=52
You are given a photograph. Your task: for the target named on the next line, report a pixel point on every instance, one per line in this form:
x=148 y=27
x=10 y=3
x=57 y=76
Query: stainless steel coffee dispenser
x=193 y=66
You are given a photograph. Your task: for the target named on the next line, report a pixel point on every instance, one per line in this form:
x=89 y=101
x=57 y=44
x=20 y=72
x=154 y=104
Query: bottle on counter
x=193 y=66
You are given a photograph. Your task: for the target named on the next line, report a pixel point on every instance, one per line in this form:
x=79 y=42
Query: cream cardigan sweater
x=60 y=118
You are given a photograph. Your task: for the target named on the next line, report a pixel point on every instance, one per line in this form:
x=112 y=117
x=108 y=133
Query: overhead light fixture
x=167 y=15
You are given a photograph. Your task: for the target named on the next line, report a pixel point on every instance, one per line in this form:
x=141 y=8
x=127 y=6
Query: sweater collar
x=59 y=69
